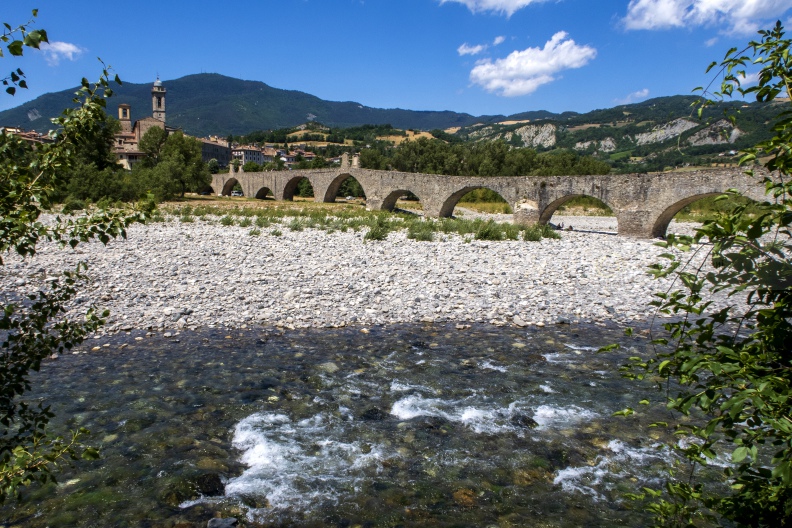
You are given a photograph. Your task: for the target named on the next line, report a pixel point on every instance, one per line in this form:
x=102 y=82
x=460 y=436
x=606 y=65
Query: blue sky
x=474 y=56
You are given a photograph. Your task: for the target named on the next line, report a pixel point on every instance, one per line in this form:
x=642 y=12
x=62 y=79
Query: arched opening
x=206 y=190
x=694 y=209
x=298 y=187
x=401 y=199
x=581 y=212
x=265 y=194
x=230 y=186
x=345 y=186
x=481 y=200
x=474 y=195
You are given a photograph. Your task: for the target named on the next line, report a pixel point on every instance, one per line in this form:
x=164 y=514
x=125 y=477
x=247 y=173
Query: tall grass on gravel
x=376 y=224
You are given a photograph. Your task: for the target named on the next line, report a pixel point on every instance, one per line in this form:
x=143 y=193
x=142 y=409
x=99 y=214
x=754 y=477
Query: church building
x=127 y=141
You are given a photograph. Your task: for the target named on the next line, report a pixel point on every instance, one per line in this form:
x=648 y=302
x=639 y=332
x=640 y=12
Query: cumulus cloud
x=498 y=40
x=635 y=96
x=55 y=51
x=737 y=16
x=522 y=72
x=506 y=7
x=748 y=79
x=466 y=49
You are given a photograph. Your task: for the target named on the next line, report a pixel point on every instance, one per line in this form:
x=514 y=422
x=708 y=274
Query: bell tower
x=158 y=100
x=124 y=117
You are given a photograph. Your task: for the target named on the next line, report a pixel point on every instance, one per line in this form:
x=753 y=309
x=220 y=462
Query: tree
x=213 y=166
x=151 y=144
x=251 y=166
x=38 y=328
x=173 y=164
x=734 y=365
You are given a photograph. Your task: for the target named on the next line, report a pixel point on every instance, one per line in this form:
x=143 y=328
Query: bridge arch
x=447 y=209
x=262 y=193
x=291 y=186
x=547 y=213
x=335 y=185
x=229 y=186
x=389 y=203
x=660 y=224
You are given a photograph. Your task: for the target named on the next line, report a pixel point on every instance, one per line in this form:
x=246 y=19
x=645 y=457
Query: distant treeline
x=318 y=132
x=493 y=158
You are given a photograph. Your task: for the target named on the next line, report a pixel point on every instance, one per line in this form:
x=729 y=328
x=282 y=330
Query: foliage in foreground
x=733 y=365
x=37 y=327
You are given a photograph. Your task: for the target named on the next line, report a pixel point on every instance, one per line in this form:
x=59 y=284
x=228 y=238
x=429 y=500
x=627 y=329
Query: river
x=405 y=425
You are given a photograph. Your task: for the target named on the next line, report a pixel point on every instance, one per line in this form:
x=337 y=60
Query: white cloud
x=466 y=49
x=55 y=51
x=737 y=16
x=635 y=96
x=711 y=42
x=522 y=72
x=498 y=40
x=748 y=79
x=507 y=7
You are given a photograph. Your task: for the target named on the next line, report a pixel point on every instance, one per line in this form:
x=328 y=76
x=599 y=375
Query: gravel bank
x=171 y=276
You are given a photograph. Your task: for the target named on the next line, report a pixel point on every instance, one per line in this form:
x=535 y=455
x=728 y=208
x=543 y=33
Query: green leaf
x=15 y=48
x=739 y=454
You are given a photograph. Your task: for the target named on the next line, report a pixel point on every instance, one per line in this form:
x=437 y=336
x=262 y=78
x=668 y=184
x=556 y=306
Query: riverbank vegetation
x=35 y=328
x=376 y=224
x=732 y=366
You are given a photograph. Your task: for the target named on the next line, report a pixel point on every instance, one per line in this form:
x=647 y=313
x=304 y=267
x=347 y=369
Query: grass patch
x=490 y=230
x=377 y=225
x=379 y=231
x=422 y=230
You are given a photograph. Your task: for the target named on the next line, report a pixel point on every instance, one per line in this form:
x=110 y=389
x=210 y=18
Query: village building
x=217 y=149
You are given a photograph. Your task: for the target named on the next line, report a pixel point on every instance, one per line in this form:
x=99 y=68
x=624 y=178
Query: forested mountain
x=208 y=103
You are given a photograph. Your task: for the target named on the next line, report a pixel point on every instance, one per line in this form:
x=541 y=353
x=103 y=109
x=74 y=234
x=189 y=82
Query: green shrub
x=186 y=219
x=421 y=230
x=245 y=222
x=254 y=232
x=296 y=224
x=276 y=232
x=379 y=231
x=104 y=203
x=227 y=220
x=72 y=204
x=490 y=230
x=511 y=231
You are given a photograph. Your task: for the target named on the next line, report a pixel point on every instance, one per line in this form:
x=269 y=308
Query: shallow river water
x=414 y=425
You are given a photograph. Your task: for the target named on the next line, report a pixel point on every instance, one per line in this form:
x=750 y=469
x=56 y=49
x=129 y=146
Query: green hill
x=209 y=103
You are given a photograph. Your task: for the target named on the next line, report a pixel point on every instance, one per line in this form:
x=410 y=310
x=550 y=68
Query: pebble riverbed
x=172 y=276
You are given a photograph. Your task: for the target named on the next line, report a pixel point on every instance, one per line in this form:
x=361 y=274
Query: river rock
x=228 y=522
x=312 y=278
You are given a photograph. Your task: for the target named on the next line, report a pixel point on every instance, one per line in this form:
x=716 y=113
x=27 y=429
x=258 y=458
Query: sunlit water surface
x=401 y=426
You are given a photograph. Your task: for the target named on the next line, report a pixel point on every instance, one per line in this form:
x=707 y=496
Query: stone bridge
x=643 y=204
